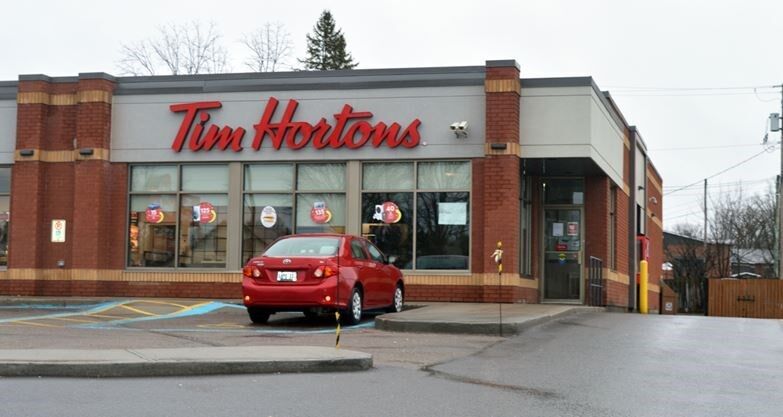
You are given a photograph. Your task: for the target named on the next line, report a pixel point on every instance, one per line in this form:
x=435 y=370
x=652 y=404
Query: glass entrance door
x=562 y=254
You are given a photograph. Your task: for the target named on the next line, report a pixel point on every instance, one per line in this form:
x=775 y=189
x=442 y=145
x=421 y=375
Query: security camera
x=454 y=126
x=463 y=125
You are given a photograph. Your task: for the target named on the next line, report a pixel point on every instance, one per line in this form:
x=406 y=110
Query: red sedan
x=315 y=273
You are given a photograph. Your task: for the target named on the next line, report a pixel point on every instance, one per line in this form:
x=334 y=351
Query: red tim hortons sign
x=350 y=129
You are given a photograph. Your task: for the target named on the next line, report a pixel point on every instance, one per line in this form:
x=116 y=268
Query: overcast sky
x=644 y=52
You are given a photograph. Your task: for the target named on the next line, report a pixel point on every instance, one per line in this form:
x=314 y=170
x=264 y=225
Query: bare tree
x=269 y=47
x=192 y=48
x=748 y=223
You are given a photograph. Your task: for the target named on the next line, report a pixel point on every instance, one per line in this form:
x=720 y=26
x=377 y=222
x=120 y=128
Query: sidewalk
x=180 y=362
x=477 y=318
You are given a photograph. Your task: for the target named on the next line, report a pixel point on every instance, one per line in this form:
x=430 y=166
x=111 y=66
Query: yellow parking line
x=107 y=316
x=136 y=310
x=35 y=324
x=70 y=319
x=159 y=302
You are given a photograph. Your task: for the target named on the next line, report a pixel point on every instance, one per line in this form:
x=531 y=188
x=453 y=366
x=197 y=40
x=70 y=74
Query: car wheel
x=258 y=315
x=354 y=313
x=398 y=302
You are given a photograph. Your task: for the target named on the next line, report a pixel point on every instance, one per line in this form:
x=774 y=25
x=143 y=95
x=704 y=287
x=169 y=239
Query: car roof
x=318 y=235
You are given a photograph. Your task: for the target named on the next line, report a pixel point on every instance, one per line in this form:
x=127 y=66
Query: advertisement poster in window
x=204 y=213
x=453 y=214
x=268 y=217
x=573 y=229
x=154 y=214
x=320 y=214
x=387 y=212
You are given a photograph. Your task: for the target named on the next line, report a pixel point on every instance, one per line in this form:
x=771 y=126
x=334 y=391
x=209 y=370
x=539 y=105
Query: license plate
x=286 y=276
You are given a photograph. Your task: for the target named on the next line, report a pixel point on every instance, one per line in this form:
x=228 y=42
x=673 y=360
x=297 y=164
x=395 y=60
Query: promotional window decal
x=268 y=217
x=557 y=229
x=204 y=213
x=320 y=214
x=154 y=214
x=573 y=229
x=387 y=212
x=453 y=213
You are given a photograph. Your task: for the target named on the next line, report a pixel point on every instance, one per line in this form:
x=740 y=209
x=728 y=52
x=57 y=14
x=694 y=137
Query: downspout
x=632 y=224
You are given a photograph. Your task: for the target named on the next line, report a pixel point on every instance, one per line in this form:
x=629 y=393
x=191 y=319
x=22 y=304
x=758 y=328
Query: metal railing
x=595 y=283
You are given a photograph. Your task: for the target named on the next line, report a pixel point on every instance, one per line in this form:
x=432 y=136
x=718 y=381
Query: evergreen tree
x=326 y=47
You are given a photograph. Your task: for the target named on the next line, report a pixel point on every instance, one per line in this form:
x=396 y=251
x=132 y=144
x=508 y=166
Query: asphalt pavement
x=161 y=337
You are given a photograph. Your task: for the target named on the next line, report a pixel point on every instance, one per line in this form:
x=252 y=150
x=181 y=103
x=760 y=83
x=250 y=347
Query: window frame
x=293 y=192
x=8 y=194
x=178 y=198
x=415 y=191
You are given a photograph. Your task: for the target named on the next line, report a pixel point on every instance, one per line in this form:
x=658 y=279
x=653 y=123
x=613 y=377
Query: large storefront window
x=281 y=199
x=178 y=216
x=433 y=216
x=5 y=213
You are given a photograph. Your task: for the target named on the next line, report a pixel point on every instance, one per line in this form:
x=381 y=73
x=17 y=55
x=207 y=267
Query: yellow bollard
x=643 y=287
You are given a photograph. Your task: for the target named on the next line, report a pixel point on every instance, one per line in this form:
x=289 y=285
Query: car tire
x=258 y=315
x=354 y=313
x=398 y=301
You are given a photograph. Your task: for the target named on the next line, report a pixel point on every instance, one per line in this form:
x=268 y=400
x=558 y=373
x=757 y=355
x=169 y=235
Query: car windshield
x=304 y=246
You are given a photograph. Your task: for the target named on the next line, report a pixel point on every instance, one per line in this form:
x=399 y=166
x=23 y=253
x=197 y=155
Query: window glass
x=152 y=230
x=320 y=177
x=154 y=178
x=320 y=213
x=203 y=230
x=446 y=175
x=357 y=252
x=387 y=176
x=269 y=177
x=205 y=178
x=443 y=233
x=5 y=180
x=563 y=191
x=375 y=254
x=393 y=235
x=5 y=220
x=266 y=217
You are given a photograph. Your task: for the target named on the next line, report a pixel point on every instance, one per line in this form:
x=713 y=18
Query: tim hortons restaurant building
x=166 y=185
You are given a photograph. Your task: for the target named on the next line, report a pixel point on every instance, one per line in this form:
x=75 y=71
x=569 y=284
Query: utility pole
x=780 y=189
x=705 y=223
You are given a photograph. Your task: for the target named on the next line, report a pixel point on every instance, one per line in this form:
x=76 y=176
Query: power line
x=688 y=148
x=765 y=150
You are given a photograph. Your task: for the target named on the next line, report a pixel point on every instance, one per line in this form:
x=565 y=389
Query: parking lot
x=162 y=323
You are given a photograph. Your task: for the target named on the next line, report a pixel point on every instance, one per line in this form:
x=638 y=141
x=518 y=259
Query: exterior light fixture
x=27 y=152
x=86 y=151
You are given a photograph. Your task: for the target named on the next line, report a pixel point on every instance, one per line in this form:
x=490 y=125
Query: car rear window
x=304 y=246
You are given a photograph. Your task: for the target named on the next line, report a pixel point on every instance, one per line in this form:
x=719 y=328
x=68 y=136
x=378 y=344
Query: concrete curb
x=511 y=327
x=116 y=363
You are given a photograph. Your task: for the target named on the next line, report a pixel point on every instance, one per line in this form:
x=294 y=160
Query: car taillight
x=251 y=271
x=324 y=271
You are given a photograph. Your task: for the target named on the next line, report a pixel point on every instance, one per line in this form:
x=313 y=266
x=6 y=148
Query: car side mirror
x=390 y=260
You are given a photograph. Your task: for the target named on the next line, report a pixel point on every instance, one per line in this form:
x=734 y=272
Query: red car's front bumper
x=291 y=296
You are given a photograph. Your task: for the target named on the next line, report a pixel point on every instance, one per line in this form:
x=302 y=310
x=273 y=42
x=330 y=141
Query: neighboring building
x=165 y=186
x=685 y=255
x=752 y=263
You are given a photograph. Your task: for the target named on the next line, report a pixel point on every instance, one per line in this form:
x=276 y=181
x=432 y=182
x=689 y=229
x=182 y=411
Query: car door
x=383 y=275
x=364 y=273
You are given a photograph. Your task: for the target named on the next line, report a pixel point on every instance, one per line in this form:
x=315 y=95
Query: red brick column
x=45 y=130
x=93 y=180
x=499 y=177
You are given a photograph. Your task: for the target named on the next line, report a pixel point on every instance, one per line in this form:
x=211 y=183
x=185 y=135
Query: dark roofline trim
x=8 y=90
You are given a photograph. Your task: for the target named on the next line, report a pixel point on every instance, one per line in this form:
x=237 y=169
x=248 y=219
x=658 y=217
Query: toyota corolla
x=316 y=273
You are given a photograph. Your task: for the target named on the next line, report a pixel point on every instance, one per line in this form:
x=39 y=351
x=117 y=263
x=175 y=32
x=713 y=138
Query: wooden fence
x=753 y=298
